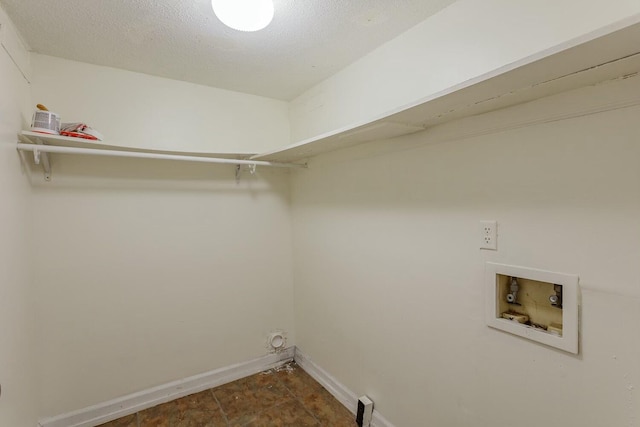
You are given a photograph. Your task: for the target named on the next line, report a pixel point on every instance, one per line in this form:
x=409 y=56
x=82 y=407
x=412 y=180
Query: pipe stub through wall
x=277 y=341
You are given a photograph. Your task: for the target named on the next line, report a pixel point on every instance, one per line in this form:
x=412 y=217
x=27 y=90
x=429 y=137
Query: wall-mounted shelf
x=609 y=53
x=43 y=144
x=606 y=54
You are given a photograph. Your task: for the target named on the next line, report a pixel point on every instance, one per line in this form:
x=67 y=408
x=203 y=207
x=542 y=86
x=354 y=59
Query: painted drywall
x=152 y=271
x=464 y=41
x=155 y=271
x=18 y=401
x=389 y=277
x=138 y=110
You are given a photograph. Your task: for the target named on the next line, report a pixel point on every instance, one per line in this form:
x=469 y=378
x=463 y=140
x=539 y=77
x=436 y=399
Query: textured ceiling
x=308 y=40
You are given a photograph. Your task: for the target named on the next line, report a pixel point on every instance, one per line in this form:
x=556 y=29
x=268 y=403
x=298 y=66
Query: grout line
x=297 y=398
x=265 y=410
x=257 y=414
x=224 y=415
x=138 y=418
x=301 y=402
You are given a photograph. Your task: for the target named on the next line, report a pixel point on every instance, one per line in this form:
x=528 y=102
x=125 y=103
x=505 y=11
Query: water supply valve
x=513 y=295
x=556 y=299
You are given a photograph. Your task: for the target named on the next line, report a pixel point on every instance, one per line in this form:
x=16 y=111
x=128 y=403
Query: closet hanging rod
x=38 y=148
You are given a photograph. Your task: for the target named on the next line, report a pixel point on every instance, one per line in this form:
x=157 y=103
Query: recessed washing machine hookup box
x=535 y=304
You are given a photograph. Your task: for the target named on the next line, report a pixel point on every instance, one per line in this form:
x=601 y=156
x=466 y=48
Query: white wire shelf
x=41 y=145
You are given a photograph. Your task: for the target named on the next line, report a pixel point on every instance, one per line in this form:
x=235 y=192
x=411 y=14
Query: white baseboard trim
x=125 y=405
x=345 y=396
x=129 y=404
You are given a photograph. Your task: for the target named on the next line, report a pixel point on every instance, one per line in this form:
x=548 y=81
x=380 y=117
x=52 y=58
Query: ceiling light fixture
x=244 y=15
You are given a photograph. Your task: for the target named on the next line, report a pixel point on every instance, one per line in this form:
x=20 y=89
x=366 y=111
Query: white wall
x=463 y=41
x=143 y=111
x=18 y=402
x=150 y=272
x=389 y=278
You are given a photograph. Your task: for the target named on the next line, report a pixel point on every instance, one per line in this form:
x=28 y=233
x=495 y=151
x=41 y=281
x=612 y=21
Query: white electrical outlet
x=489 y=235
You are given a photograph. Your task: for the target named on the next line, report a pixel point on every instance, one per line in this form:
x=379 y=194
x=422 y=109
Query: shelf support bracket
x=251 y=168
x=41 y=157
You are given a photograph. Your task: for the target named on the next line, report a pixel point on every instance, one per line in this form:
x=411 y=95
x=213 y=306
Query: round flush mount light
x=244 y=15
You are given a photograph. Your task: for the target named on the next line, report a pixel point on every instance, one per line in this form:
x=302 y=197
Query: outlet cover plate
x=489 y=235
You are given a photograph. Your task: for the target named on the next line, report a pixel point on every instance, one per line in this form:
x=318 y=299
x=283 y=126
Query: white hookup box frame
x=569 y=339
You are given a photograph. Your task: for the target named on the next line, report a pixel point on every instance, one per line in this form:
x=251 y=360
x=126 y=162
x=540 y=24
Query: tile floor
x=287 y=397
